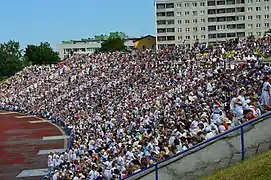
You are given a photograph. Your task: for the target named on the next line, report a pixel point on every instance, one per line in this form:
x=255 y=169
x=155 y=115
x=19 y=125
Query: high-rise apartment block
x=179 y=21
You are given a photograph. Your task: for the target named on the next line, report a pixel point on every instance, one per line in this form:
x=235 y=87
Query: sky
x=35 y=21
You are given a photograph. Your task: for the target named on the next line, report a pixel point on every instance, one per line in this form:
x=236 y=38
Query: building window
x=202 y=12
x=221 y=2
x=194 y=4
x=195 y=37
x=211 y=19
x=266 y=8
x=249 y=9
x=258 y=33
x=250 y=33
x=258 y=17
x=258 y=25
x=202 y=36
x=179 y=22
x=266 y=25
x=231 y=26
x=211 y=28
x=161 y=30
x=160 y=6
x=258 y=1
x=249 y=25
x=230 y=10
x=240 y=1
x=170 y=38
x=186 y=13
x=170 y=21
x=240 y=9
x=202 y=3
x=202 y=20
x=186 y=21
x=187 y=29
x=250 y=17
x=179 y=29
x=170 y=5
x=221 y=11
x=161 y=38
x=160 y=14
x=195 y=29
x=195 y=13
x=211 y=36
x=161 y=22
x=211 y=11
x=170 y=14
x=240 y=18
x=186 y=4
x=249 y=1
x=179 y=13
x=187 y=37
x=178 y=5
x=221 y=27
x=211 y=3
x=180 y=37
x=241 y=26
x=170 y=30
x=230 y=35
x=258 y=8
x=221 y=35
x=266 y=16
x=195 y=21
x=202 y=28
x=221 y=19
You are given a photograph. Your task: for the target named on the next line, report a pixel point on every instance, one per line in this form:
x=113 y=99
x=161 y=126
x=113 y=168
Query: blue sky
x=33 y=21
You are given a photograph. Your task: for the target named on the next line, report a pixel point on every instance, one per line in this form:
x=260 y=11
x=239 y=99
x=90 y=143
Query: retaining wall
x=218 y=154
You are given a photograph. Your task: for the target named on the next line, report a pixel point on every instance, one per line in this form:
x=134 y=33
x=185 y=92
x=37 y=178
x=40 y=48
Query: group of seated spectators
x=129 y=110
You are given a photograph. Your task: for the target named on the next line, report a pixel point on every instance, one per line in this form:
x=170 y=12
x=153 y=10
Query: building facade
x=89 y=45
x=185 y=21
x=145 y=42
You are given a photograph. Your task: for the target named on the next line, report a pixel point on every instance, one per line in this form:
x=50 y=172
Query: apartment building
x=185 y=21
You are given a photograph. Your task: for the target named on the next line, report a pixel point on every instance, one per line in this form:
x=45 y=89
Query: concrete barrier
x=217 y=154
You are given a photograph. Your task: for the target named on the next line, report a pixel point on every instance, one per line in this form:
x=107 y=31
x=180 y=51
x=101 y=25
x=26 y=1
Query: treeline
x=14 y=59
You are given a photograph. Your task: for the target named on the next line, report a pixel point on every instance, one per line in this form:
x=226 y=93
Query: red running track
x=20 y=142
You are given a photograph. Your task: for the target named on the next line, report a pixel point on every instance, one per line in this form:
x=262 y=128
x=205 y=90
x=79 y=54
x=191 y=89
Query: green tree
x=11 y=60
x=41 y=54
x=113 y=44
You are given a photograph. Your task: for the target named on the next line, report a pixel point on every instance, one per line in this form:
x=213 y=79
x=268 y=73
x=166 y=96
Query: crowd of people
x=127 y=111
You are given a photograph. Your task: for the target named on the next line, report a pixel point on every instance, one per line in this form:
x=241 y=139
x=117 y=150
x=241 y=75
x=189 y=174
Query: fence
x=241 y=127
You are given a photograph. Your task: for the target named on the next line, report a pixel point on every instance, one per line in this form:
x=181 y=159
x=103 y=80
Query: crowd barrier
x=242 y=143
x=53 y=119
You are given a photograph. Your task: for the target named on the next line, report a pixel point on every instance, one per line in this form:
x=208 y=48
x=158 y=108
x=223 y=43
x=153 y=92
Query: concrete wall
x=219 y=154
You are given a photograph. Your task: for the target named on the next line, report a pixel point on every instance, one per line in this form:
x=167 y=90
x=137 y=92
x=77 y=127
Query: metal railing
x=242 y=142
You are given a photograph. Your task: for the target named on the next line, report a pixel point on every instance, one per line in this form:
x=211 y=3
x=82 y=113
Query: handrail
x=241 y=126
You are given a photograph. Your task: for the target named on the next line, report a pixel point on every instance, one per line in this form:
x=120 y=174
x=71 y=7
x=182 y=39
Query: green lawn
x=258 y=168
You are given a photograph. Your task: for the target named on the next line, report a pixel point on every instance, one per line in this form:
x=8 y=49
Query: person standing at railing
x=266 y=93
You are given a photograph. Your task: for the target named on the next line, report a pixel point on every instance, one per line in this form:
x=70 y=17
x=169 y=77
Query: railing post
x=156 y=171
x=243 y=143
